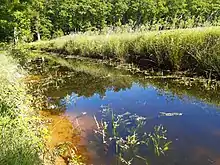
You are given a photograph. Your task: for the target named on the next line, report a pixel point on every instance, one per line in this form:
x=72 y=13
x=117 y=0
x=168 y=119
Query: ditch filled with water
x=80 y=90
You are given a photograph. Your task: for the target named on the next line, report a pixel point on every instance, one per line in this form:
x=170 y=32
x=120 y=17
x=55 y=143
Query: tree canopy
x=30 y=20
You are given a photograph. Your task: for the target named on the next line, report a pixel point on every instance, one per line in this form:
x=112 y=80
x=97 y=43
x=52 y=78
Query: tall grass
x=21 y=136
x=196 y=50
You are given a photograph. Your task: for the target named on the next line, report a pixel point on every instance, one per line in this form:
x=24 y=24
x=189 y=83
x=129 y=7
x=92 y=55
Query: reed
x=196 y=50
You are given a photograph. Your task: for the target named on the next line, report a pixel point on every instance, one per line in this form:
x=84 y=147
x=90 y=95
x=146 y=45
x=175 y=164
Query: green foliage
x=159 y=140
x=20 y=142
x=31 y=20
x=21 y=139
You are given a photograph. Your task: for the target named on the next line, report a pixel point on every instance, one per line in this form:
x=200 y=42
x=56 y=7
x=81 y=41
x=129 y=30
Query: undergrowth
x=21 y=133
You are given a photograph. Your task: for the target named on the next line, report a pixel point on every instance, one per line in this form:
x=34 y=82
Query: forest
x=30 y=20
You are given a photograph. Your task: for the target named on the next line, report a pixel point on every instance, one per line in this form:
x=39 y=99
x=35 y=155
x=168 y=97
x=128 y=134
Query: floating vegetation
x=125 y=135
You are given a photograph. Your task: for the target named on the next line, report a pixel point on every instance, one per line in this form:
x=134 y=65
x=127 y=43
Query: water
x=82 y=90
x=195 y=134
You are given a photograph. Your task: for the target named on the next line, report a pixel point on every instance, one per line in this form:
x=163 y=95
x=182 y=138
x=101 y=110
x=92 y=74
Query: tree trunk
x=38 y=35
x=35 y=28
x=15 y=36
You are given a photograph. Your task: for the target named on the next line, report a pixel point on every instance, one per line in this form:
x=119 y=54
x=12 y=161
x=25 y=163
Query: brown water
x=80 y=89
x=61 y=131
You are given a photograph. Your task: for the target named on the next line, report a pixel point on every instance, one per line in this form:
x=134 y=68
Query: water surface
x=84 y=87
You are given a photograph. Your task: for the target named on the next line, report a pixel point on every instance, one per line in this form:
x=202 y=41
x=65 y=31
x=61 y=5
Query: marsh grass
x=196 y=50
x=21 y=134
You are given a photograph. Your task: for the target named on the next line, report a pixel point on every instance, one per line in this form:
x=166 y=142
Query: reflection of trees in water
x=59 y=81
x=85 y=85
x=197 y=90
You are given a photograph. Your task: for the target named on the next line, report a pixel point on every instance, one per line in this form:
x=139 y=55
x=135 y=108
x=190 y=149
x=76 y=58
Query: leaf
x=166 y=148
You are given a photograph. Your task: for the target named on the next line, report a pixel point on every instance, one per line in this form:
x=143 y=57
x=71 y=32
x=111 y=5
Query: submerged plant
x=159 y=140
x=124 y=133
x=69 y=153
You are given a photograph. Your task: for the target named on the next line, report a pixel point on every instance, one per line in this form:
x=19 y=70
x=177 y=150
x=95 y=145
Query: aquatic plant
x=69 y=153
x=125 y=134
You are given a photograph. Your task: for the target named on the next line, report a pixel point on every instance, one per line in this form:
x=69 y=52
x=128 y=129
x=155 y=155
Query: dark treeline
x=30 y=20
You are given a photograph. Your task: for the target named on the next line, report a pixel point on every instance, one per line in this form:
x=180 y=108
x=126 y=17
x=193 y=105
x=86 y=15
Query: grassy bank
x=195 y=50
x=21 y=133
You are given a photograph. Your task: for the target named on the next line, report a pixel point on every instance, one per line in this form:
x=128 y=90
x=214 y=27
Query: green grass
x=21 y=134
x=196 y=50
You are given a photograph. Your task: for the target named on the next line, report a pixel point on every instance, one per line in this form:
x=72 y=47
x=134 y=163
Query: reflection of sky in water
x=140 y=100
x=196 y=128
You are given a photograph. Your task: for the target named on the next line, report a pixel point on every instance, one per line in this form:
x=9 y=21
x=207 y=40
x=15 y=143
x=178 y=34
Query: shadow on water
x=79 y=88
